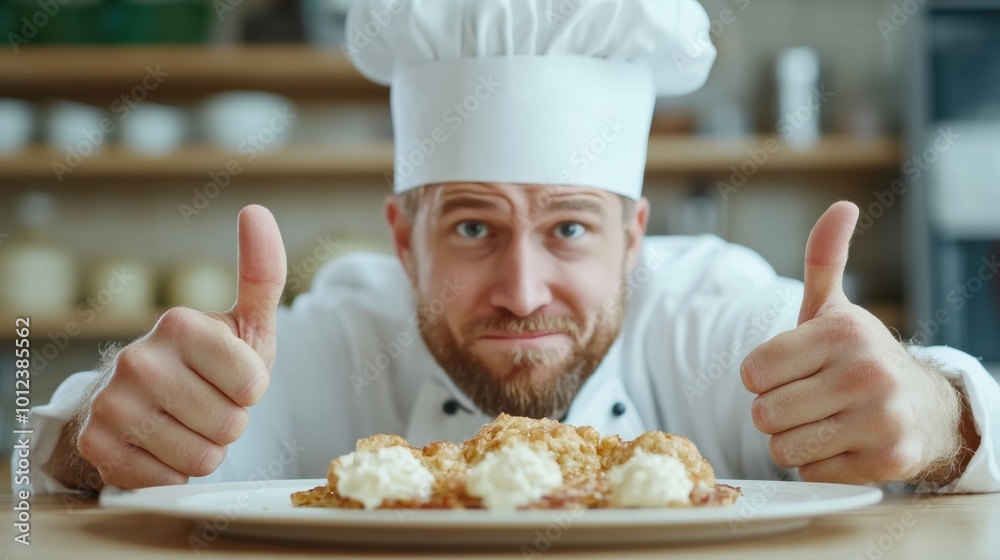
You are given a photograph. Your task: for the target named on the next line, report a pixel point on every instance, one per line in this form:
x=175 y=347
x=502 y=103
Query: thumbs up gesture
x=841 y=399
x=172 y=401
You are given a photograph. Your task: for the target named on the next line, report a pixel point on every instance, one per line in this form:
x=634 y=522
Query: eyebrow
x=575 y=205
x=462 y=203
x=554 y=205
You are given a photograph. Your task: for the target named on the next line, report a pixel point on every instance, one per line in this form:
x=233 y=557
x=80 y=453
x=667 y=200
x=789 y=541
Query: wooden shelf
x=668 y=155
x=833 y=153
x=198 y=160
x=102 y=327
x=65 y=71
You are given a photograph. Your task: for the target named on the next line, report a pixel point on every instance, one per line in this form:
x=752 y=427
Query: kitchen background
x=894 y=104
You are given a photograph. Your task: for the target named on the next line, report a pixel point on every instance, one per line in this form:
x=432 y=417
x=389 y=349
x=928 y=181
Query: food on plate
x=522 y=463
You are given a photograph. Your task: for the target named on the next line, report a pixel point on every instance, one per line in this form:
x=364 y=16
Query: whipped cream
x=513 y=476
x=389 y=473
x=650 y=480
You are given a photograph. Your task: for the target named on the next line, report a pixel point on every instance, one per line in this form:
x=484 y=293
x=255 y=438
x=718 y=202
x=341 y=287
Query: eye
x=570 y=230
x=472 y=230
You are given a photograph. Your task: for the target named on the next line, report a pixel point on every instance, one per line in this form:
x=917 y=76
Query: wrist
x=68 y=467
x=957 y=439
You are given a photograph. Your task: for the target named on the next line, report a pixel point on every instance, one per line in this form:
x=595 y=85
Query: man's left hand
x=841 y=398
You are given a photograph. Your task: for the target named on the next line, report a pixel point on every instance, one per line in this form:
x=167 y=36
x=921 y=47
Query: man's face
x=519 y=287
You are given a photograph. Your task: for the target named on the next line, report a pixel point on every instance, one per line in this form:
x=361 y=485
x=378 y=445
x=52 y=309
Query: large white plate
x=262 y=509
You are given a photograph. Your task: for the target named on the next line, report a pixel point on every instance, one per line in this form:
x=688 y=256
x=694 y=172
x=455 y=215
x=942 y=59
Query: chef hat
x=528 y=91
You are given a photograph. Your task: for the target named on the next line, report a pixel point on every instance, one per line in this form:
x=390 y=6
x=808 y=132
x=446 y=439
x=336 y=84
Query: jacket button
x=450 y=407
x=618 y=409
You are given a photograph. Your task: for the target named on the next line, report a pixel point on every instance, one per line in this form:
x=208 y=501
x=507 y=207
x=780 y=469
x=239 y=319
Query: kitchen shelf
x=668 y=155
x=102 y=327
x=107 y=328
x=66 y=70
x=116 y=162
x=832 y=153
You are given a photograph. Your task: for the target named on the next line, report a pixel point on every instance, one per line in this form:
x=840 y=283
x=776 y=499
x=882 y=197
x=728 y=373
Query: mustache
x=526 y=325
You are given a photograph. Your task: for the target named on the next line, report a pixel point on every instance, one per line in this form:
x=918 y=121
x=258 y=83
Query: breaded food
x=583 y=456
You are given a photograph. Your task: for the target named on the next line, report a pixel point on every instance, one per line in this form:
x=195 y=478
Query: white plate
x=262 y=509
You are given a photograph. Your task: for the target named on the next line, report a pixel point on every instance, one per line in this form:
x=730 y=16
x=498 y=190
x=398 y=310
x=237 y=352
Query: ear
x=401 y=230
x=635 y=230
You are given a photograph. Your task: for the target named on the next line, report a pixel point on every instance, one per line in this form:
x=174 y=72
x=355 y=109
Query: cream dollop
x=389 y=473
x=513 y=476
x=650 y=480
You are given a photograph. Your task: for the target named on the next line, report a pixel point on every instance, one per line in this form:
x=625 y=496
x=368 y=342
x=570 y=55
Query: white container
x=248 y=122
x=153 y=129
x=121 y=288
x=37 y=276
x=17 y=123
x=76 y=128
x=202 y=286
x=800 y=101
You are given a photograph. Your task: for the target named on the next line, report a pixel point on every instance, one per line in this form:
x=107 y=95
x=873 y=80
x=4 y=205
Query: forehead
x=517 y=198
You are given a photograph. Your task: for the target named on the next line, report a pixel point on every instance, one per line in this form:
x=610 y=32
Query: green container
x=55 y=22
x=6 y=20
x=159 y=21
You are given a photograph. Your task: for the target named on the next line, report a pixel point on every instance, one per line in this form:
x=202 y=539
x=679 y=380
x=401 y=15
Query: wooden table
x=946 y=527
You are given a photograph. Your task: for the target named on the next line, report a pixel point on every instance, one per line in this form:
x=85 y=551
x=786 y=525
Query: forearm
x=67 y=466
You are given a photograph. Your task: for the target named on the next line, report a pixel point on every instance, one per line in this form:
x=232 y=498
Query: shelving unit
x=100 y=75
x=296 y=70
x=76 y=70
x=668 y=155
x=102 y=327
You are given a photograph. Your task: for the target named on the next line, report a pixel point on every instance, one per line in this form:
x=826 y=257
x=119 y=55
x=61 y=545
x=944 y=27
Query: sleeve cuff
x=983 y=395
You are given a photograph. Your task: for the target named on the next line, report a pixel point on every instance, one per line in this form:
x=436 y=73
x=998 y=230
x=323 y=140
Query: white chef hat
x=528 y=91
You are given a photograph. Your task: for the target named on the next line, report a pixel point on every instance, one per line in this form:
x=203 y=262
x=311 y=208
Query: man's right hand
x=178 y=396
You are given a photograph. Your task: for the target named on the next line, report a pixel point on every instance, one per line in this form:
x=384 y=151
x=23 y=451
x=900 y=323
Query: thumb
x=826 y=257
x=261 y=280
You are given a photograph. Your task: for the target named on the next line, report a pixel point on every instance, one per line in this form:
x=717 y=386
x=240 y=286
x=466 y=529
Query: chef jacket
x=351 y=363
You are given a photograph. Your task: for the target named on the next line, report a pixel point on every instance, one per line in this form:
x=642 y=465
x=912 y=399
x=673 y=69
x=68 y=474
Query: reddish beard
x=521 y=390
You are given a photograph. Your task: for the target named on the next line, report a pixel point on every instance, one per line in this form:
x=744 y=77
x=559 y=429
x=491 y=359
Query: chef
x=523 y=283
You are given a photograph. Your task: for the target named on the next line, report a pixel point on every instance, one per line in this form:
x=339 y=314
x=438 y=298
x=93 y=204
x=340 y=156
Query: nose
x=521 y=284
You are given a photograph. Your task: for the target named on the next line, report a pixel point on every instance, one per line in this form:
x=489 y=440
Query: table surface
x=962 y=526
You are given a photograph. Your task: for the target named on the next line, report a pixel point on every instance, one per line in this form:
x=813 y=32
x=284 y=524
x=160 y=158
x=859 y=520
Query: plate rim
x=168 y=500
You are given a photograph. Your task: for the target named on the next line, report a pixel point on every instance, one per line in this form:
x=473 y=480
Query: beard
x=538 y=383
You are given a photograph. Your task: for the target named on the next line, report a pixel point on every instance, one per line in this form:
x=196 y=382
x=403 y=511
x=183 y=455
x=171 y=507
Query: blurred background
x=133 y=131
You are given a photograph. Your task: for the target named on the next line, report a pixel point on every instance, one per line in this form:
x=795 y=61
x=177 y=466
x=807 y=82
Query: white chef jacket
x=351 y=363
